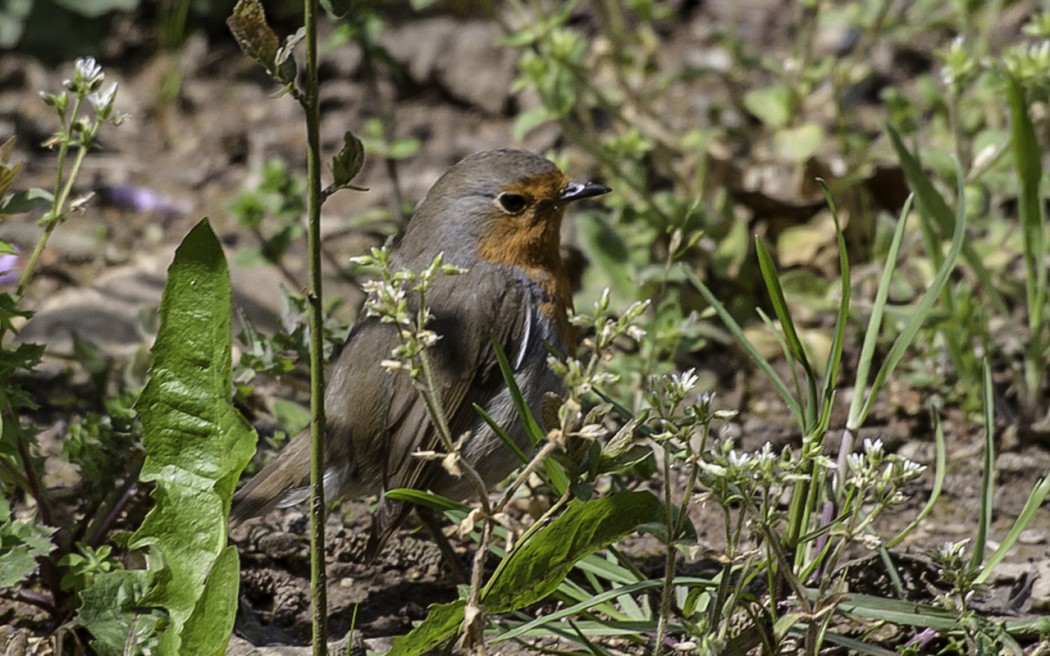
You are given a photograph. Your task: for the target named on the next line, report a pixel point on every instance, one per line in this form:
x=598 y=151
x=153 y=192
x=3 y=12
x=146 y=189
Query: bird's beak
x=577 y=190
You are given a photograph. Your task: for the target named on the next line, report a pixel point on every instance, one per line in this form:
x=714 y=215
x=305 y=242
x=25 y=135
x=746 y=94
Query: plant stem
x=665 y=596
x=476 y=627
x=53 y=217
x=308 y=100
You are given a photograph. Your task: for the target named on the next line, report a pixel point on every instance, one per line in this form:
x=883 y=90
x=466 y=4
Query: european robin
x=497 y=214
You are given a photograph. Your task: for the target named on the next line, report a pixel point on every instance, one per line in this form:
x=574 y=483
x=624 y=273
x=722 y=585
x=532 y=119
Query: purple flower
x=9 y=268
x=141 y=199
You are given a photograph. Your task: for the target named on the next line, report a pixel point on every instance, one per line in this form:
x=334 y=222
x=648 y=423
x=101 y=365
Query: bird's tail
x=281 y=483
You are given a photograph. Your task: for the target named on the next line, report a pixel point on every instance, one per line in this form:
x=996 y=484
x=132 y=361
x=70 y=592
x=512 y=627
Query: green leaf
x=426 y=499
x=21 y=543
x=787 y=325
x=738 y=333
x=657 y=527
x=28 y=200
x=290 y=415
x=348 y=161
x=555 y=475
x=940 y=468
x=987 y=502
x=115 y=610
x=209 y=627
x=196 y=445
x=770 y=104
x=607 y=251
x=930 y=202
x=878 y=307
x=442 y=624
x=798 y=144
x=337 y=8
x=8 y=171
x=1028 y=154
x=534 y=569
x=403 y=149
x=529 y=120
x=592 y=601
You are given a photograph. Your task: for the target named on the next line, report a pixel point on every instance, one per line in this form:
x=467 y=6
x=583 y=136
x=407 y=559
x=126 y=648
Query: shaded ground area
x=106 y=265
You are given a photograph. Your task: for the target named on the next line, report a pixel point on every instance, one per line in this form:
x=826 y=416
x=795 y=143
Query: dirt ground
x=105 y=265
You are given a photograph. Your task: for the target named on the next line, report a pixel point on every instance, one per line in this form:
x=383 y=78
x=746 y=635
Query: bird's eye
x=511 y=203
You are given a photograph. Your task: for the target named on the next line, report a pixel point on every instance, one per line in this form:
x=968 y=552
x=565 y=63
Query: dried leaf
x=253 y=34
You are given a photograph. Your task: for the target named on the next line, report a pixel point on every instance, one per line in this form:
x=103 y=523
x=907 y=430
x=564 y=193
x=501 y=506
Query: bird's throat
x=535 y=250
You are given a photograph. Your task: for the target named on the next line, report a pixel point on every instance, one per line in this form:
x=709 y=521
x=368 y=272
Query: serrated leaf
x=248 y=25
x=113 y=608
x=21 y=543
x=348 y=161
x=196 y=444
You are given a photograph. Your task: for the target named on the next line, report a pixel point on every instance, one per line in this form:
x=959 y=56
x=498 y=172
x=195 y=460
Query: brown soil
x=198 y=153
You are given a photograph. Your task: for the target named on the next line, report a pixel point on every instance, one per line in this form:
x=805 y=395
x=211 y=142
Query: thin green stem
x=309 y=102
x=53 y=217
x=428 y=391
x=665 y=597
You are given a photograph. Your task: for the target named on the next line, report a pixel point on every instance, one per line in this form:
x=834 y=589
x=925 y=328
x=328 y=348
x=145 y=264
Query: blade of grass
x=532 y=427
x=501 y=434
x=854 y=646
x=925 y=304
x=895 y=611
x=756 y=357
x=871 y=335
x=556 y=477
x=856 y=414
x=785 y=348
x=1032 y=213
x=787 y=327
x=1031 y=506
x=938 y=484
x=984 y=518
x=427 y=499
x=587 y=604
x=834 y=361
x=930 y=200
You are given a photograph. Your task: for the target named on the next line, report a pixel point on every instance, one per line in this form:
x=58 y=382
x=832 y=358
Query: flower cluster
x=86 y=84
x=399 y=297
x=881 y=475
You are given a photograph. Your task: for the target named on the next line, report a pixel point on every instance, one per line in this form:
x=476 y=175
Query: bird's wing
x=468 y=310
